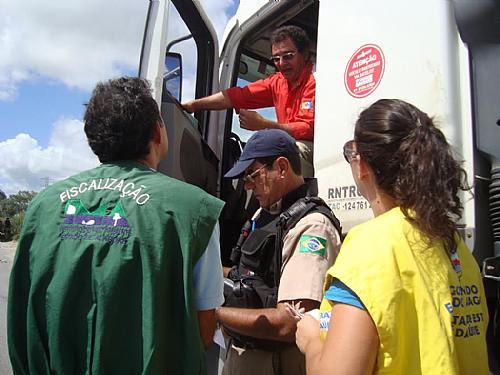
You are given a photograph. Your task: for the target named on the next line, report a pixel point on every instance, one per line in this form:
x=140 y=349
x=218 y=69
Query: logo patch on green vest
x=104 y=224
x=312 y=244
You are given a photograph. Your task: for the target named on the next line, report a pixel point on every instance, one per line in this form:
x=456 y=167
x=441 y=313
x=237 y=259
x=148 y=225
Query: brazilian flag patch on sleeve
x=312 y=244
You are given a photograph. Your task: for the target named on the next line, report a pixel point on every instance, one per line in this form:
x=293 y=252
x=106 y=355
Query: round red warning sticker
x=364 y=71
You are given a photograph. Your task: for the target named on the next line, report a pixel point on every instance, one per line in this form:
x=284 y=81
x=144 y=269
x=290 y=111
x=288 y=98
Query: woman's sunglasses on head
x=349 y=151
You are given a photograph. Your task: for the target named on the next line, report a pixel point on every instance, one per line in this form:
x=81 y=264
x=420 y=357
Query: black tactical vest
x=255 y=278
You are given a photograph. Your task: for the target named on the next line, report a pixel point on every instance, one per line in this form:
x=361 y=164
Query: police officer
x=276 y=264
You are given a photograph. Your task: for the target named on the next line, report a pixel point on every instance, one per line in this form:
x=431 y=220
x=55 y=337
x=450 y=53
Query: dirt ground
x=7 y=252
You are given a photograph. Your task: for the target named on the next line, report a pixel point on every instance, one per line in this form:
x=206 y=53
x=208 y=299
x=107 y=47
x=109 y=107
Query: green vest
x=102 y=279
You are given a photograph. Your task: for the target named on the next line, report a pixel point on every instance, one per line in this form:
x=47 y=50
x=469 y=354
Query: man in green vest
x=118 y=268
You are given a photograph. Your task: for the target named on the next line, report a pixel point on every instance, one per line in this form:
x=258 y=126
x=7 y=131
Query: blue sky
x=38 y=105
x=53 y=53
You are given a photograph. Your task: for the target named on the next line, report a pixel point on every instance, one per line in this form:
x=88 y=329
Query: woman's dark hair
x=120 y=119
x=295 y=33
x=413 y=163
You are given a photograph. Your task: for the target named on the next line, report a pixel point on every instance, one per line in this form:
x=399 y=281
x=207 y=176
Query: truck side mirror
x=172 y=77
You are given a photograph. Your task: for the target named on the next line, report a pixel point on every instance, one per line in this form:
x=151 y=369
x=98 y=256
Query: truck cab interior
x=252 y=62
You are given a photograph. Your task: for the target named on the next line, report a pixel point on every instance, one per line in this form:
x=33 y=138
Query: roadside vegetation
x=12 y=209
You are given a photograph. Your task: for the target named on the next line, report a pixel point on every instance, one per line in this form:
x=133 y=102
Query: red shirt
x=294 y=103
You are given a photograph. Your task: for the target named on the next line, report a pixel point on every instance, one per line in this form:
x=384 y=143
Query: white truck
x=441 y=55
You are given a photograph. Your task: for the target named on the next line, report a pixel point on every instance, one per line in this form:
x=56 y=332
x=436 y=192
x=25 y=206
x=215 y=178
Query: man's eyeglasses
x=349 y=151
x=286 y=57
x=250 y=178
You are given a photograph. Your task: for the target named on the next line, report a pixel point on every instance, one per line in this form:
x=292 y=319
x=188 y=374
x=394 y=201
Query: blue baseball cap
x=264 y=143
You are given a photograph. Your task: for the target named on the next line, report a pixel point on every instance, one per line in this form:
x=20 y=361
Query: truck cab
x=441 y=55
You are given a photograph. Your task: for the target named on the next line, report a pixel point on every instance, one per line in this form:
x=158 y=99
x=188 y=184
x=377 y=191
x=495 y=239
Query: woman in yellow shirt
x=405 y=295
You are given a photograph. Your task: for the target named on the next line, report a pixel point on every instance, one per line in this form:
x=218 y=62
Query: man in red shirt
x=291 y=91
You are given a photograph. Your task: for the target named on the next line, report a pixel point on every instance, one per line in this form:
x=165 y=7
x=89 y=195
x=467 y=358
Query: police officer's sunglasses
x=349 y=151
x=286 y=57
x=250 y=178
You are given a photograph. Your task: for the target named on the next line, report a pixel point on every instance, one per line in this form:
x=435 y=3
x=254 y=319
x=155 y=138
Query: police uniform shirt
x=309 y=249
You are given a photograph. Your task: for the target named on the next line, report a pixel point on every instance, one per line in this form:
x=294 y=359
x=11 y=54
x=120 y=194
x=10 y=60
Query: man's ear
x=283 y=166
x=157 y=133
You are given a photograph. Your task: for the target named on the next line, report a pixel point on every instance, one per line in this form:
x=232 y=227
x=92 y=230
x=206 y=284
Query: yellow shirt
x=431 y=316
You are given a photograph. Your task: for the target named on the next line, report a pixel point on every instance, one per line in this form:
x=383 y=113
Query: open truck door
x=180 y=59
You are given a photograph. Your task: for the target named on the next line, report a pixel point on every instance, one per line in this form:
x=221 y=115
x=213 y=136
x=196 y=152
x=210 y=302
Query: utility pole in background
x=46 y=181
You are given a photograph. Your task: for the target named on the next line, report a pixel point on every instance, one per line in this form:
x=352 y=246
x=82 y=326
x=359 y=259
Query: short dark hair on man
x=120 y=119
x=293 y=159
x=295 y=33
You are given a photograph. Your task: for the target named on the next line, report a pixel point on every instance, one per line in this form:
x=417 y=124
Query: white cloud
x=217 y=12
x=26 y=164
x=76 y=42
